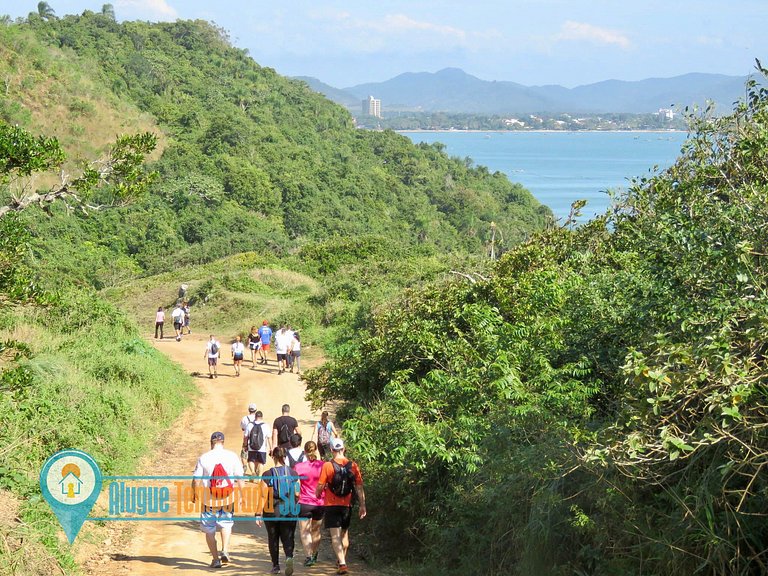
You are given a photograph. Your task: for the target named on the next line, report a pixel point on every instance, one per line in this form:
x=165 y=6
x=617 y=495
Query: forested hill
x=250 y=159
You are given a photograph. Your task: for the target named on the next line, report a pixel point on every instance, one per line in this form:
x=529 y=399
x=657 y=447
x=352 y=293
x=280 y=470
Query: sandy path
x=159 y=548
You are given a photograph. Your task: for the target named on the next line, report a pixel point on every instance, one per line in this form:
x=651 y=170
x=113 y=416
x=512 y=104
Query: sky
x=532 y=42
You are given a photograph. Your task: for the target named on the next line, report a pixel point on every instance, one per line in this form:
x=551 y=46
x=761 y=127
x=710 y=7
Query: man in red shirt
x=337 y=479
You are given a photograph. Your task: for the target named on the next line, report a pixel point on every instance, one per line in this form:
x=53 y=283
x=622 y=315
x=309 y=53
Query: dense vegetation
x=250 y=160
x=598 y=404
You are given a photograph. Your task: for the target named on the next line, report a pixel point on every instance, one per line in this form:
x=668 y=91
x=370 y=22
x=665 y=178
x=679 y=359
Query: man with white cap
x=338 y=479
x=214 y=477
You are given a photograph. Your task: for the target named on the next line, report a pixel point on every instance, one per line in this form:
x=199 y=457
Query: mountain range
x=453 y=90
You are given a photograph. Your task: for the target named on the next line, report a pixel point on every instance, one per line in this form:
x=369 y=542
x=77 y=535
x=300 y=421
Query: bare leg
x=306 y=536
x=316 y=535
x=210 y=539
x=338 y=546
x=225 y=534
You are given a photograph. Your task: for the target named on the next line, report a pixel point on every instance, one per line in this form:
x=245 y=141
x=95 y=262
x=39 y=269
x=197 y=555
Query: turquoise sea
x=561 y=167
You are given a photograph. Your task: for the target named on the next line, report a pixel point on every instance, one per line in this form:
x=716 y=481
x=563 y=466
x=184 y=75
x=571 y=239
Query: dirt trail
x=160 y=548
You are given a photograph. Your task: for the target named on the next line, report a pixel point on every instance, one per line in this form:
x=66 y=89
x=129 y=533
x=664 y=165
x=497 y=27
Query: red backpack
x=221 y=484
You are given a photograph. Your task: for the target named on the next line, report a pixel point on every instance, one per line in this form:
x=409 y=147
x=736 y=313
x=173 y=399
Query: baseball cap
x=251 y=407
x=337 y=444
x=217 y=436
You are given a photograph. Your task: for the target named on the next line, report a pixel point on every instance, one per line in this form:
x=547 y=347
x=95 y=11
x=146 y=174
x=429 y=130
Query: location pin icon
x=71 y=482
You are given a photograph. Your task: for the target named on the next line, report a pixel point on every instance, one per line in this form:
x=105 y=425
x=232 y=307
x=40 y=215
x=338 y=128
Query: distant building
x=372 y=107
x=667 y=113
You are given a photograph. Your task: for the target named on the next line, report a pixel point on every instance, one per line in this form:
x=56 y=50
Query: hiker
x=281 y=348
x=289 y=339
x=294 y=352
x=265 y=332
x=281 y=528
x=159 y=321
x=178 y=321
x=338 y=479
x=238 y=350
x=311 y=506
x=256 y=442
x=183 y=291
x=283 y=428
x=254 y=343
x=212 y=348
x=185 y=309
x=295 y=454
x=244 y=421
x=217 y=495
x=326 y=432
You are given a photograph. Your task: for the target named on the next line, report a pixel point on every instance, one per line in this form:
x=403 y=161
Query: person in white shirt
x=282 y=340
x=212 y=349
x=178 y=320
x=217 y=495
x=238 y=350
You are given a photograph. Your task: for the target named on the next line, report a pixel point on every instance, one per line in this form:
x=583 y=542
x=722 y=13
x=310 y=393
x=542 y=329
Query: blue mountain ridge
x=453 y=90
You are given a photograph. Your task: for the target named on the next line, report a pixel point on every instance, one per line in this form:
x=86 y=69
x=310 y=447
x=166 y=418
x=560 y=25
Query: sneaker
x=289 y=566
x=224 y=557
x=216 y=563
x=309 y=562
x=210 y=376
x=275 y=569
x=314 y=558
x=342 y=569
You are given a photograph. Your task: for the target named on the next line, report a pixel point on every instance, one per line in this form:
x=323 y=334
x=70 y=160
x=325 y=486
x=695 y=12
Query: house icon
x=70 y=485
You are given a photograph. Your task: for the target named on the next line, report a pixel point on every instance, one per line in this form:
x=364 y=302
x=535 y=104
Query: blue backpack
x=283 y=484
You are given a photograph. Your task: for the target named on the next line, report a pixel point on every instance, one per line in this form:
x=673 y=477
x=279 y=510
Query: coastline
x=541 y=131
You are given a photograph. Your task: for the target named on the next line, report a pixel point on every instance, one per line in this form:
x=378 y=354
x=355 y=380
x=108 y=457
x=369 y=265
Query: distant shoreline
x=625 y=131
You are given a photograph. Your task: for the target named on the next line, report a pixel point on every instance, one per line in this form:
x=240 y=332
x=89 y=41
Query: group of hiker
x=314 y=485
x=287 y=349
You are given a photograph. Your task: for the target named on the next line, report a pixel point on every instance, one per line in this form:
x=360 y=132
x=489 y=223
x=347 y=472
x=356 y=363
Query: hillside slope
x=255 y=161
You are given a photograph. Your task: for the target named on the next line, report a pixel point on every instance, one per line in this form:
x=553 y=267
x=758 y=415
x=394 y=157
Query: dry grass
x=60 y=99
x=19 y=554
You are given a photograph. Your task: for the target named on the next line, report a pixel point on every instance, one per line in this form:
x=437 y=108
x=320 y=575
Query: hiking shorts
x=312 y=511
x=265 y=347
x=256 y=456
x=211 y=519
x=283 y=357
x=337 y=517
x=212 y=361
x=177 y=325
x=237 y=357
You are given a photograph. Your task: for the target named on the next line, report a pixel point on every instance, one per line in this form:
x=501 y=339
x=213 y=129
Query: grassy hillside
x=255 y=161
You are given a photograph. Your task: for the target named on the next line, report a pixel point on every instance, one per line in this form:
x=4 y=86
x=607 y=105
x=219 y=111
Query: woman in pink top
x=311 y=515
x=159 y=320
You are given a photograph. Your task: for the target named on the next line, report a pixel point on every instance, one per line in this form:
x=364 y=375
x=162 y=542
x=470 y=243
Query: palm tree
x=45 y=11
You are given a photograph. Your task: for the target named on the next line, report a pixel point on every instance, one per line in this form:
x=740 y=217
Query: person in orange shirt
x=338 y=479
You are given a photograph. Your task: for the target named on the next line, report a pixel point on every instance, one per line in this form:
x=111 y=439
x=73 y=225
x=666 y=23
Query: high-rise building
x=372 y=107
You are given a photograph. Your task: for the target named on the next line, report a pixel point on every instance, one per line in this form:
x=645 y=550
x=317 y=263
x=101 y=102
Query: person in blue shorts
x=217 y=495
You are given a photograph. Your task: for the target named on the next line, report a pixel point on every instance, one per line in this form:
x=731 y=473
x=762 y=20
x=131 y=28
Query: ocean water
x=562 y=167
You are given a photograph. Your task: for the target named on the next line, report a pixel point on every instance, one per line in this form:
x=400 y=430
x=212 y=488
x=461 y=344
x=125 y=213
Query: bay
x=562 y=167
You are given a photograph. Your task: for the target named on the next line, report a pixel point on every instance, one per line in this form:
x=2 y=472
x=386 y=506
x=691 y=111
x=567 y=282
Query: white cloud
x=392 y=32
x=146 y=9
x=582 y=32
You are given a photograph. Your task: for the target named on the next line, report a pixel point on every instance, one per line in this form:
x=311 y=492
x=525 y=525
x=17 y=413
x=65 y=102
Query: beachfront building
x=372 y=107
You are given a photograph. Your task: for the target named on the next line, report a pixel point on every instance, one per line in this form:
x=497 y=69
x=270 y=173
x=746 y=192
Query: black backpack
x=284 y=434
x=293 y=461
x=343 y=479
x=255 y=437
